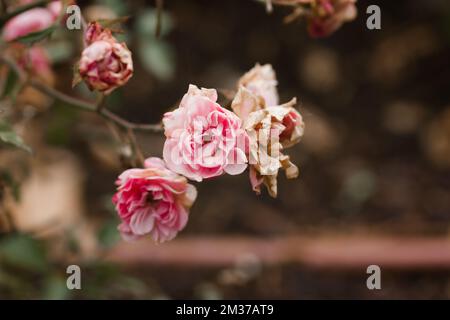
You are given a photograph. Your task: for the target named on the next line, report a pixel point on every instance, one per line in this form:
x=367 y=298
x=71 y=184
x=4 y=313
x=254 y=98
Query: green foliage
x=34 y=37
x=8 y=136
x=6 y=179
x=55 y=288
x=23 y=252
x=10 y=86
x=61 y=121
x=108 y=235
x=120 y=7
x=156 y=55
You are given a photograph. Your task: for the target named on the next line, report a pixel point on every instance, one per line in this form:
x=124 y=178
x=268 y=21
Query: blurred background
x=374 y=186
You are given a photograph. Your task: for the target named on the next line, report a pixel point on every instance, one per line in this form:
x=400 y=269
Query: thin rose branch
x=78 y=103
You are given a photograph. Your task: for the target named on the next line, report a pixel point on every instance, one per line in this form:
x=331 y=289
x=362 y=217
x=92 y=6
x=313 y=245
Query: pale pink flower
x=153 y=201
x=328 y=15
x=30 y=21
x=105 y=64
x=38 y=60
x=33 y=20
x=204 y=140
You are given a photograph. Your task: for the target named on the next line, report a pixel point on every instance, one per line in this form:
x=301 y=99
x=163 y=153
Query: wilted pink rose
x=105 y=64
x=262 y=82
x=153 y=201
x=328 y=15
x=204 y=140
x=95 y=32
x=270 y=128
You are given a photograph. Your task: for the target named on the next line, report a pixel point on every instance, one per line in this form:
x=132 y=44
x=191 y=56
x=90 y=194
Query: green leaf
x=56 y=289
x=108 y=235
x=8 y=136
x=10 y=84
x=120 y=7
x=146 y=23
x=7 y=179
x=59 y=51
x=24 y=252
x=33 y=37
x=110 y=23
x=76 y=75
x=158 y=58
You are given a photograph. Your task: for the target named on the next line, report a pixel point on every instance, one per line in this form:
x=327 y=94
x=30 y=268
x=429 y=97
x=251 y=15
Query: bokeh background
x=375 y=163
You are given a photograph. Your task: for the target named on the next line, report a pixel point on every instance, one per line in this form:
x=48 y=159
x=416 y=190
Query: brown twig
x=78 y=103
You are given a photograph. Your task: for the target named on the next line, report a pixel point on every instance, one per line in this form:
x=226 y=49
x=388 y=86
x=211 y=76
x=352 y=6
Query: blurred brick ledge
x=337 y=252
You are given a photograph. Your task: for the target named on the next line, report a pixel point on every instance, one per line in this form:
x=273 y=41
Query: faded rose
x=262 y=82
x=105 y=64
x=153 y=201
x=328 y=15
x=270 y=128
x=204 y=140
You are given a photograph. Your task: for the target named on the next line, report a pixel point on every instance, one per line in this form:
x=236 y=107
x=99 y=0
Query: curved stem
x=78 y=103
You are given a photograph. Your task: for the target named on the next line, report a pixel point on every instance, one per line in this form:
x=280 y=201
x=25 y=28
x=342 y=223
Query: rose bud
x=105 y=64
x=329 y=15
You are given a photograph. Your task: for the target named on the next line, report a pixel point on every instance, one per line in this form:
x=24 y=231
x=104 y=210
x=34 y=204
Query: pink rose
x=105 y=64
x=38 y=60
x=328 y=15
x=154 y=201
x=204 y=140
x=30 y=21
x=33 y=20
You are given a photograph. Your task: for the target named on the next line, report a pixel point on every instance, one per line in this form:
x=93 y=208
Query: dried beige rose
x=270 y=128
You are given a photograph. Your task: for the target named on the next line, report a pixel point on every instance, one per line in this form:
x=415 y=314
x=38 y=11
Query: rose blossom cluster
x=33 y=20
x=205 y=140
